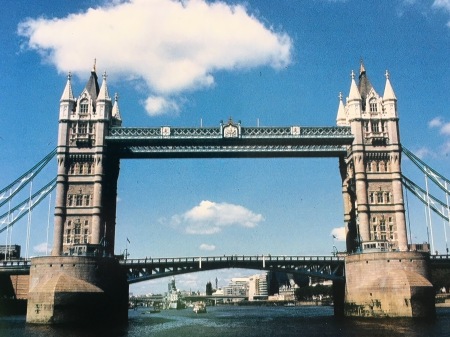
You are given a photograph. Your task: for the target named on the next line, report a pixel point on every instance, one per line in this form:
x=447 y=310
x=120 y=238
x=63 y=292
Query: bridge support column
x=77 y=290
x=388 y=284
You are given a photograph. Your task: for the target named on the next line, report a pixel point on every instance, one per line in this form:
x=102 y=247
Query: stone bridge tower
x=383 y=278
x=371 y=172
x=82 y=282
x=87 y=174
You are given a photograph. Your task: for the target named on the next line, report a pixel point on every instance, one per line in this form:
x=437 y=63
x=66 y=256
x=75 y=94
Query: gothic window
x=69 y=223
x=89 y=168
x=388 y=197
x=390 y=219
x=382 y=226
x=72 y=168
x=68 y=236
x=77 y=228
x=79 y=200
x=82 y=128
x=369 y=166
x=378 y=166
x=81 y=168
x=86 y=200
x=371 y=198
x=84 y=106
x=374 y=219
x=373 y=105
x=375 y=127
x=366 y=126
x=386 y=168
x=391 y=228
x=70 y=200
x=380 y=197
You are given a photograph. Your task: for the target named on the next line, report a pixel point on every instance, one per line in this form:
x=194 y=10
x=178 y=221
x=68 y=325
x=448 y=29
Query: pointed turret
x=68 y=93
x=117 y=119
x=341 y=119
x=354 y=94
x=103 y=93
x=103 y=100
x=354 y=101
x=67 y=101
x=388 y=90
x=389 y=98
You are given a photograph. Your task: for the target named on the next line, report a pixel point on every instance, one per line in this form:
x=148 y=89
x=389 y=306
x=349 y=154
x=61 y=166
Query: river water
x=249 y=321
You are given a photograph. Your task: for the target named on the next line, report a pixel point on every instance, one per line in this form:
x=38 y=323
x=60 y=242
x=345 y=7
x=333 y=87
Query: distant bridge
x=138 y=270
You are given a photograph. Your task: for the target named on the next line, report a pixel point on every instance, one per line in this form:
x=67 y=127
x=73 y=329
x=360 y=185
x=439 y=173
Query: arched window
x=373 y=105
x=84 y=106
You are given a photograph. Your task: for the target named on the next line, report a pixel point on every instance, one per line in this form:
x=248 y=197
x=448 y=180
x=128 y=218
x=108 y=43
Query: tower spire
x=389 y=93
x=68 y=93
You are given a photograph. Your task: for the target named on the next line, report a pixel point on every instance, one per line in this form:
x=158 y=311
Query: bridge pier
x=77 y=290
x=388 y=284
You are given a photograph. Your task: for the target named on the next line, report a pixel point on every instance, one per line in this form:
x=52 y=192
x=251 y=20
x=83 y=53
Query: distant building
x=254 y=287
x=9 y=252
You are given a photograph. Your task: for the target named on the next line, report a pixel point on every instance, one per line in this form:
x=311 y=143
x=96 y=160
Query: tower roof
x=364 y=85
x=92 y=86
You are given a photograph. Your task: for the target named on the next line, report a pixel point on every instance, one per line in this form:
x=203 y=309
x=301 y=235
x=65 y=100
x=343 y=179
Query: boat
x=199 y=308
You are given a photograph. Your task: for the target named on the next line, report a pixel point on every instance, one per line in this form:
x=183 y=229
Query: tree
x=209 y=289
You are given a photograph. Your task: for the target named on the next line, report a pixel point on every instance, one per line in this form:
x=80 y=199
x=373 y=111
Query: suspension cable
x=17 y=185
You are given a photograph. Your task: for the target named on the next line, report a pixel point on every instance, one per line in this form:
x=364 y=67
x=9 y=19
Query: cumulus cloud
x=42 y=248
x=207 y=247
x=172 y=46
x=443 y=127
x=338 y=233
x=210 y=217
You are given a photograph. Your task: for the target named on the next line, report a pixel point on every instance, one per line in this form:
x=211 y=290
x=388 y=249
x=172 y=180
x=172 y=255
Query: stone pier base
x=77 y=290
x=388 y=284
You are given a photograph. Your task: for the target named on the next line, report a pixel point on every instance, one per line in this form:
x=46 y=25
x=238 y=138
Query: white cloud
x=442 y=4
x=207 y=247
x=173 y=46
x=423 y=152
x=42 y=248
x=338 y=233
x=210 y=217
x=435 y=122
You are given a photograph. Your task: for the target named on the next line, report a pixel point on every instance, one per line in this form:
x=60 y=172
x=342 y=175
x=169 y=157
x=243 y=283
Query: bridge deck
x=328 y=267
x=167 y=142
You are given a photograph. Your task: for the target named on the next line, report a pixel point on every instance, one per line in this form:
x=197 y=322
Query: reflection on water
x=242 y=322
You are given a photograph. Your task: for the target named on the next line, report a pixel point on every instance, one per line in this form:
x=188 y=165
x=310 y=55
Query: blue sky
x=181 y=64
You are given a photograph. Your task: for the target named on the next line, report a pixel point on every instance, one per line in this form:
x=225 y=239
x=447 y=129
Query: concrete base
x=77 y=290
x=388 y=284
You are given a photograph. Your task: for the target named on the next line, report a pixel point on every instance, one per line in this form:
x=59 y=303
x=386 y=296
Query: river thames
x=248 y=321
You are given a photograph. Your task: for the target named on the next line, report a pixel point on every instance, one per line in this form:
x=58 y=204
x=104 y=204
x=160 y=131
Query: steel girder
x=168 y=142
x=326 y=267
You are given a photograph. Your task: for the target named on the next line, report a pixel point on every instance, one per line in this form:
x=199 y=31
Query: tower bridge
x=92 y=142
